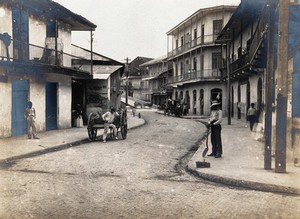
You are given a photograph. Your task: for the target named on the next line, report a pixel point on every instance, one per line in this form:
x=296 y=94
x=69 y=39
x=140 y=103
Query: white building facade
x=197 y=59
x=36 y=64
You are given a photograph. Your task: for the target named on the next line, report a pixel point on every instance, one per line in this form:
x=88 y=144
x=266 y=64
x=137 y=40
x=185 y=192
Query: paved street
x=140 y=177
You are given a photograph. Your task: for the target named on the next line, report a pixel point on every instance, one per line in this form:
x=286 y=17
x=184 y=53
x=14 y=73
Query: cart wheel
x=92 y=134
x=124 y=131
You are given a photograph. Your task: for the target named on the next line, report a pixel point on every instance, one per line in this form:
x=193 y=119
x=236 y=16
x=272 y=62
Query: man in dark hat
x=30 y=116
x=215 y=125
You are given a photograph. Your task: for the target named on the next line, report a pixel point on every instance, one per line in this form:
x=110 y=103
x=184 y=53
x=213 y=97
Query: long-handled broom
x=204 y=164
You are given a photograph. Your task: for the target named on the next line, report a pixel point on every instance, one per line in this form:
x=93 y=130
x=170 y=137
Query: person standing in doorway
x=30 y=116
x=215 y=121
x=251 y=116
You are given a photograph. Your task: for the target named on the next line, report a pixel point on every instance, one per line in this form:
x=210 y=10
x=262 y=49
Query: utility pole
x=228 y=81
x=92 y=39
x=269 y=87
x=282 y=87
x=126 y=71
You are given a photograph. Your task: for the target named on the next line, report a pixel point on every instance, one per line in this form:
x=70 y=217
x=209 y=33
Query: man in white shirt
x=109 y=118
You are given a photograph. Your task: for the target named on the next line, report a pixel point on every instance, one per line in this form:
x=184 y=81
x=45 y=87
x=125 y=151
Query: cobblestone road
x=132 y=178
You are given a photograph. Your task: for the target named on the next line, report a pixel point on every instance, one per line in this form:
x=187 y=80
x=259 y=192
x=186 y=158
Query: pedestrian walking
x=30 y=116
x=133 y=111
x=251 y=116
x=109 y=118
x=215 y=121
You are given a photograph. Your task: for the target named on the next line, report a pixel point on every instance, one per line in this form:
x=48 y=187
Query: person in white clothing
x=109 y=118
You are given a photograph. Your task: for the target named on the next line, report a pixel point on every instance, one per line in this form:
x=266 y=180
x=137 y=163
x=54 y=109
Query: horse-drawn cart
x=173 y=107
x=95 y=122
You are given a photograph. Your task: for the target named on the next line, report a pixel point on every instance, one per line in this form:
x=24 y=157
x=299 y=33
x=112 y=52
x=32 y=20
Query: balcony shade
x=104 y=71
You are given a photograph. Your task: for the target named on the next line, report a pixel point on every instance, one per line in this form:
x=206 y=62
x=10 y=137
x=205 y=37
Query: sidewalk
x=14 y=147
x=242 y=163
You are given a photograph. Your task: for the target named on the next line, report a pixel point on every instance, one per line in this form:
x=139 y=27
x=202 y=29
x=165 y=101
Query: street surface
x=140 y=177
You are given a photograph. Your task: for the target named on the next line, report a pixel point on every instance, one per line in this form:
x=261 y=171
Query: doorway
x=20 y=90
x=51 y=106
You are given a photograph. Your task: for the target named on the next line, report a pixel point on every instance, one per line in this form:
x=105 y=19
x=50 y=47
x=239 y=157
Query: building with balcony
x=36 y=64
x=156 y=76
x=133 y=76
x=101 y=92
x=245 y=34
x=251 y=69
x=197 y=59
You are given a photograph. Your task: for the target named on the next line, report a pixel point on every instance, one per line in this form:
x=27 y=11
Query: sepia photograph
x=165 y=109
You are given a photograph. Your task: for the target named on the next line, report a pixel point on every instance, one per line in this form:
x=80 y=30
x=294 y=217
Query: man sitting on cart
x=109 y=118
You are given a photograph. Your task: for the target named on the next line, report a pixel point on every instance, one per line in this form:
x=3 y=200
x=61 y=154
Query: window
x=51 y=29
x=216 y=60
x=217 y=27
x=202 y=33
x=195 y=63
x=181 y=68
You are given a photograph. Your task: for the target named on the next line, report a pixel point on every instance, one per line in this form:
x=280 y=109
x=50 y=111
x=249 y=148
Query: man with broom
x=215 y=125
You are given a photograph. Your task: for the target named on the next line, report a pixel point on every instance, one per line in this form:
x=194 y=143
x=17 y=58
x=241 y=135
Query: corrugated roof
x=104 y=71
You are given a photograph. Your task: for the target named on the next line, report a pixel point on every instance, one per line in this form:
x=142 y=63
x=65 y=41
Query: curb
x=243 y=183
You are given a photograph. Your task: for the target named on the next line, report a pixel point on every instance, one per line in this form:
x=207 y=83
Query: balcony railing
x=18 y=51
x=259 y=33
x=205 y=40
x=207 y=74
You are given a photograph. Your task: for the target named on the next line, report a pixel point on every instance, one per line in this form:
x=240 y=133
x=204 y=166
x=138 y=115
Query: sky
x=131 y=28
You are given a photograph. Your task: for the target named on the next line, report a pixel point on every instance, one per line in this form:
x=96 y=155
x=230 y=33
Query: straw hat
x=214 y=103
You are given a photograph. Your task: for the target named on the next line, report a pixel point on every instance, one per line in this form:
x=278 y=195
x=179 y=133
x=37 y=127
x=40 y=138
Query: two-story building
x=245 y=35
x=101 y=92
x=197 y=58
x=133 y=77
x=36 y=63
x=255 y=73
x=156 y=76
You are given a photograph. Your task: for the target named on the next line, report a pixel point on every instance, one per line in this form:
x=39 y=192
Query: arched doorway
x=176 y=95
x=232 y=102
x=239 y=102
x=248 y=95
x=186 y=106
x=181 y=96
x=201 y=100
x=259 y=97
x=194 y=101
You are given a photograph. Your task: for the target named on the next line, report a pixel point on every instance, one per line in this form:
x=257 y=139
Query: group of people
x=30 y=116
x=214 y=123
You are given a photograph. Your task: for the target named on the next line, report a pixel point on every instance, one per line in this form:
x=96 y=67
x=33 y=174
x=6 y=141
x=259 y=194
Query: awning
x=104 y=71
x=154 y=77
x=147 y=79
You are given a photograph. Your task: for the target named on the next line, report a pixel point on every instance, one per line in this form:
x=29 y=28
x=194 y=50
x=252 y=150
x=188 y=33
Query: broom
x=206 y=148
x=203 y=164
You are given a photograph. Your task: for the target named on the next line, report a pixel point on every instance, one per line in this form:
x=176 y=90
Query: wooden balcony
x=20 y=53
x=200 y=75
x=200 y=41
